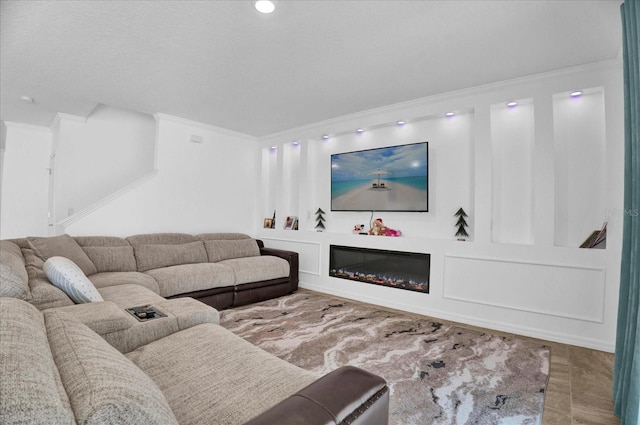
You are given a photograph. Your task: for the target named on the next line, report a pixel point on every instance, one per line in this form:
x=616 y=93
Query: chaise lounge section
x=56 y=370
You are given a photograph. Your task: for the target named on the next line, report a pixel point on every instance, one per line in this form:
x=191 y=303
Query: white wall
x=519 y=273
x=96 y=157
x=25 y=176
x=199 y=187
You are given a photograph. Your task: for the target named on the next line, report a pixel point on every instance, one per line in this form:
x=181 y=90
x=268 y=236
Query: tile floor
x=580 y=387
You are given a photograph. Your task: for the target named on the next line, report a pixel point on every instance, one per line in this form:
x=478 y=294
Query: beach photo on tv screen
x=394 y=178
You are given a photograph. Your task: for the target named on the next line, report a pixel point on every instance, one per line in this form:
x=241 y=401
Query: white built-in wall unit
x=536 y=179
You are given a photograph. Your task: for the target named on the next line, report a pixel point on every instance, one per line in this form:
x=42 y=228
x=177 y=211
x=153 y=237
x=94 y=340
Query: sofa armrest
x=347 y=395
x=101 y=317
x=290 y=256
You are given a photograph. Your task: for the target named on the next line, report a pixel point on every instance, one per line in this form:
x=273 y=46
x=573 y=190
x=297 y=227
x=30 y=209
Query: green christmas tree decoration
x=320 y=220
x=461 y=224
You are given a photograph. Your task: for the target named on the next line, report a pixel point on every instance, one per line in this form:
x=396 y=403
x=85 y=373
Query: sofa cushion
x=103 y=386
x=192 y=277
x=14 y=281
x=129 y=295
x=102 y=280
x=62 y=246
x=255 y=269
x=102 y=317
x=153 y=251
x=245 y=381
x=108 y=253
x=30 y=388
x=66 y=275
x=43 y=293
x=228 y=249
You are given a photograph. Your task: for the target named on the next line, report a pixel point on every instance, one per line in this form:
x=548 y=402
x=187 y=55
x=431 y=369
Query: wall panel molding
x=568 y=291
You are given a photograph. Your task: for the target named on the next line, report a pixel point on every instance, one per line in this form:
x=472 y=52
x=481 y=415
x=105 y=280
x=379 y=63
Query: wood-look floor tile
x=555 y=417
x=591 y=372
x=590 y=410
x=559 y=351
x=558 y=395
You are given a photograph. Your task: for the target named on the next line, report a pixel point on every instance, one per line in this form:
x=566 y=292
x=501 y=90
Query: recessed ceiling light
x=575 y=93
x=401 y=122
x=449 y=114
x=27 y=99
x=360 y=130
x=274 y=147
x=325 y=137
x=512 y=104
x=264 y=6
x=296 y=142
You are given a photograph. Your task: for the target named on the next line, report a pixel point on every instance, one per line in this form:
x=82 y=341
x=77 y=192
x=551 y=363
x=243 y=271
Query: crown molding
x=183 y=121
x=30 y=127
x=437 y=98
x=62 y=116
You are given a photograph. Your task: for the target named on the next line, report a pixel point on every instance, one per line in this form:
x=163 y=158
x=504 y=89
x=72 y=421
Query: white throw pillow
x=66 y=275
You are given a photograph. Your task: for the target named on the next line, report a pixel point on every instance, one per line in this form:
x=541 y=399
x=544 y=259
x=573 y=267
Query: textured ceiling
x=224 y=64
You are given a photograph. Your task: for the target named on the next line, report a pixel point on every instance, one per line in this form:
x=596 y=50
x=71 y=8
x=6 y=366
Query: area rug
x=437 y=373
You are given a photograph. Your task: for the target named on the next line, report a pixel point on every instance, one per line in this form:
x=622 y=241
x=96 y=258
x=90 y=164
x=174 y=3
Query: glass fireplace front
x=397 y=269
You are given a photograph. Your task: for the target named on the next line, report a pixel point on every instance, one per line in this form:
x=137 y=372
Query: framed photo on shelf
x=289 y=222
x=267 y=223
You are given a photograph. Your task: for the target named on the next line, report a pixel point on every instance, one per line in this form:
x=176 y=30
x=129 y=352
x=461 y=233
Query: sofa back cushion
x=62 y=246
x=108 y=253
x=158 y=250
x=104 y=387
x=14 y=281
x=43 y=293
x=225 y=246
x=30 y=388
x=229 y=249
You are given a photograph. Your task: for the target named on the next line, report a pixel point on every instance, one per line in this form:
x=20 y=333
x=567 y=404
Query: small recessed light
x=512 y=104
x=274 y=148
x=360 y=130
x=27 y=99
x=575 y=93
x=296 y=142
x=325 y=137
x=401 y=122
x=264 y=6
x=449 y=114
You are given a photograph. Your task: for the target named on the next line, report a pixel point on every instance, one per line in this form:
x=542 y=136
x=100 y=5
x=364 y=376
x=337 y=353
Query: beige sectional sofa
x=95 y=363
x=219 y=269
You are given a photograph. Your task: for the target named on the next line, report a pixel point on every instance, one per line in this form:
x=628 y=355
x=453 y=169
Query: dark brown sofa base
x=234 y=296
x=247 y=293
x=347 y=395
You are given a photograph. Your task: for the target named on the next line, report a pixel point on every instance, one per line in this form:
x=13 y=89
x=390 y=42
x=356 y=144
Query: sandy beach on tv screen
x=393 y=197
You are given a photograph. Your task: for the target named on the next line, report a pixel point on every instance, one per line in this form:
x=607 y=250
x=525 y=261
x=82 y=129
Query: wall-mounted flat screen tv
x=394 y=178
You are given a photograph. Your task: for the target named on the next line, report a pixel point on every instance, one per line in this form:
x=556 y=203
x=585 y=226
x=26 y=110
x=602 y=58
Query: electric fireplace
x=396 y=269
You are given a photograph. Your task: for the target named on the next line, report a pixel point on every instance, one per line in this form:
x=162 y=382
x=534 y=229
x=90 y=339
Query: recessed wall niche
x=268 y=183
x=290 y=179
x=512 y=146
x=580 y=153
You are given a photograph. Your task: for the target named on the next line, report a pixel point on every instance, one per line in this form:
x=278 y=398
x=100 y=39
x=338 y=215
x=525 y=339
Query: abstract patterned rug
x=437 y=373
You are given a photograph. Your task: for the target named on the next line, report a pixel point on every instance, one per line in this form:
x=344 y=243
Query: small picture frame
x=267 y=223
x=290 y=221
